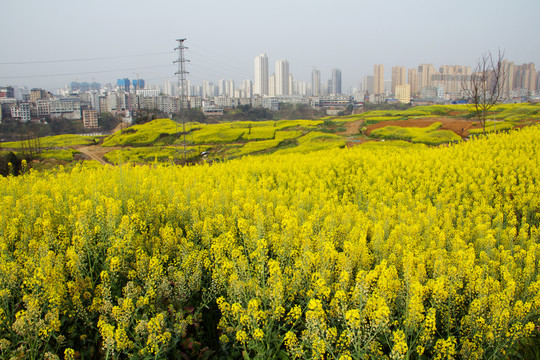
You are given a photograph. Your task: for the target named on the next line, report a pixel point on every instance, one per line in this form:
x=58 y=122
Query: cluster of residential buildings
x=424 y=84
x=282 y=82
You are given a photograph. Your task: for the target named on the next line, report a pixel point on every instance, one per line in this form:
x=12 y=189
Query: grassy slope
x=159 y=139
x=53 y=142
x=428 y=135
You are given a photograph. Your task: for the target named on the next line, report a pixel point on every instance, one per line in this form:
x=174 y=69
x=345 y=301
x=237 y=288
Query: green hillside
x=164 y=140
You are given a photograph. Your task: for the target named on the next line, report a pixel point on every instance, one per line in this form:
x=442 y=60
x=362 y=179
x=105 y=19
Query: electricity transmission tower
x=182 y=88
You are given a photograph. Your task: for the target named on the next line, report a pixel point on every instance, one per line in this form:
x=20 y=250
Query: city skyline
x=423 y=85
x=224 y=38
x=449 y=78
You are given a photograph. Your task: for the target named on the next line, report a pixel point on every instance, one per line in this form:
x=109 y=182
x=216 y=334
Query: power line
x=82 y=59
x=220 y=65
x=82 y=73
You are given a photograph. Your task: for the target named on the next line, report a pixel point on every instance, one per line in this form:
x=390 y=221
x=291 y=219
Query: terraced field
x=162 y=140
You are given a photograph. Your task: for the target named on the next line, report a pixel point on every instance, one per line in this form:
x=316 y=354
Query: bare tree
x=484 y=88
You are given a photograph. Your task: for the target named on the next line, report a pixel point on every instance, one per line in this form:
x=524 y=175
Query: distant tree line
x=298 y=111
x=247 y=112
x=386 y=106
x=286 y=111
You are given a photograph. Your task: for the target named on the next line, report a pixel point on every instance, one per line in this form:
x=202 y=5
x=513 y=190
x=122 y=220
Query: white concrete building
x=69 y=108
x=22 y=111
x=270 y=103
x=282 y=77
x=315 y=82
x=261 y=86
x=148 y=92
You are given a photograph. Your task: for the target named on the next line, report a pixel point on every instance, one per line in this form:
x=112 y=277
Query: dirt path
x=352 y=128
x=95 y=152
x=352 y=132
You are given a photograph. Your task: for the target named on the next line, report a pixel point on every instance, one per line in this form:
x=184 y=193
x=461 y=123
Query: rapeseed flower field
x=401 y=252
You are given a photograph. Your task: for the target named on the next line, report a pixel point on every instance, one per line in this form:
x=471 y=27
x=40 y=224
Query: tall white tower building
x=247 y=87
x=260 y=86
x=282 y=77
x=316 y=82
x=272 y=85
x=336 y=82
x=168 y=88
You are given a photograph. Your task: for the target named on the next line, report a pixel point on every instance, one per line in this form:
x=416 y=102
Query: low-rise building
x=195 y=102
x=331 y=102
x=7 y=92
x=43 y=107
x=403 y=93
x=7 y=104
x=149 y=102
x=168 y=104
x=90 y=119
x=224 y=101
x=211 y=109
x=22 y=112
x=39 y=94
x=270 y=103
x=148 y=92
x=69 y=108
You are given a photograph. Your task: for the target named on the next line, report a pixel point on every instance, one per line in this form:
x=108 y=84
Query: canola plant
x=369 y=252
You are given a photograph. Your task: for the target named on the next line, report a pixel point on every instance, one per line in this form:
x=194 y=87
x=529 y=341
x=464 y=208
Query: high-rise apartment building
x=272 y=85
x=399 y=75
x=412 y=80
x=424 y=75
x=525 y=77
x=282 y=77
x=367 y=84
x=229 y=88
x=451 y=78
x=247 y=88
x=290 y=90
x=168 y=88
x=378 y=79
x=508 y=68
x=260 y=86
x=316 y=82
x=208 y=90
x=222 y=87
x=336 y=82
x=300 y=88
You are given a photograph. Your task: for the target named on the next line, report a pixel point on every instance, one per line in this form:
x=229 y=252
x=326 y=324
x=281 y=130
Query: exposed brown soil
x=352 y=128
x=352 y=132
x=459 y=126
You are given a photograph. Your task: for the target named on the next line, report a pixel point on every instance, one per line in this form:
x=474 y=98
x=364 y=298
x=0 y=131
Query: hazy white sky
x=113 y=39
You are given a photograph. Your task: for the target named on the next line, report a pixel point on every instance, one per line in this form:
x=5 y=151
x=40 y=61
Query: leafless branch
x=485 y=86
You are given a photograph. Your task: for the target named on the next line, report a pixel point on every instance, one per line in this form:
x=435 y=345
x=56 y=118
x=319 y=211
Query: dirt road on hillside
x=352 y=128
x=95 y=152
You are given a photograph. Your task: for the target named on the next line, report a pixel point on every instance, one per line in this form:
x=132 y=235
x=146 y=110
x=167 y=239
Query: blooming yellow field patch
x=372 y=251
x=52 y=142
